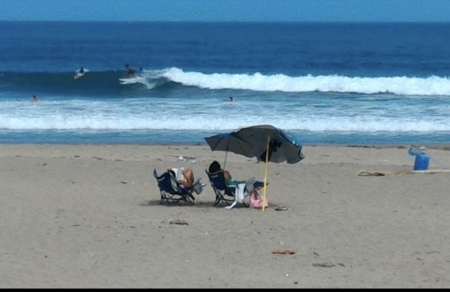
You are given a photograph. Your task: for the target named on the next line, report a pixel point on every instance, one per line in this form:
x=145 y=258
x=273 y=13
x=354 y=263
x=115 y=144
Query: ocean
x=323 y=83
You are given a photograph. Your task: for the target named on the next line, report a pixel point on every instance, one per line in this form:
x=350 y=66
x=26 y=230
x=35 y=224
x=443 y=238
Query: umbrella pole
x=225 y=162
x=226 y=154
x=265 y=174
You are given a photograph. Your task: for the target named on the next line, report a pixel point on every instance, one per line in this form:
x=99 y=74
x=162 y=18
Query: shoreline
x=428 y=145
x=88 y=216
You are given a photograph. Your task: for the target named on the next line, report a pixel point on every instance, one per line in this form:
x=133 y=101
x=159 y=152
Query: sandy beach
x=79 y=216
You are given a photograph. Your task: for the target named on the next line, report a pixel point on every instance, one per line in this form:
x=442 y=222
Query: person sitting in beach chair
x=228 y=190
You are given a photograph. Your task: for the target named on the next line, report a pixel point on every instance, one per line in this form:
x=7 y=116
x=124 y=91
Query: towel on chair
x=238 y=195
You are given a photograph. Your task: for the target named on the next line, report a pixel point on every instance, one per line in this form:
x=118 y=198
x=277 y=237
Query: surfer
x=130 y=70
x=80 y=73
x=34 y=99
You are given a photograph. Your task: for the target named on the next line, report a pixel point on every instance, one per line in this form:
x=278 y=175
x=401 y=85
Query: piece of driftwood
x=384 y=173
x=178 y=222
x=283 y=251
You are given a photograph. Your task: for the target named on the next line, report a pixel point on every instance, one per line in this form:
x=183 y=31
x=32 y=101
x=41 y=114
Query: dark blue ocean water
x=325 y=83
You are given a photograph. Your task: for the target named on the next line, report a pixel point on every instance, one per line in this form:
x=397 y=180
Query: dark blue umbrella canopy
x=255 y=141
x=280 y=145
x=228 y=142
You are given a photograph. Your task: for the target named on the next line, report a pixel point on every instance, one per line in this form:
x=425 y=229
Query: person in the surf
x=130 y=70
x=80 y=73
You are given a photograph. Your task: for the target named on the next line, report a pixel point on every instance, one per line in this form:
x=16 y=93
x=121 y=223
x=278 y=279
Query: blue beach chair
x=226 y=193
x=171 y=191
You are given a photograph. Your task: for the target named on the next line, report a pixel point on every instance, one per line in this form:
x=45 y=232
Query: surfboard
x=132 y=80
x=79 y=74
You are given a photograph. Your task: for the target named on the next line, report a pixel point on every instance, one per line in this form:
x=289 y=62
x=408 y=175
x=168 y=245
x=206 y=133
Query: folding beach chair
x=226 y=193
x=171 y=191
x=223 y=192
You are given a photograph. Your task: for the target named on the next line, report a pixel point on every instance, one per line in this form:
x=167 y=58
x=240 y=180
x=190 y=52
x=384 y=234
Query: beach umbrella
x=265 y=142
x=228 y=142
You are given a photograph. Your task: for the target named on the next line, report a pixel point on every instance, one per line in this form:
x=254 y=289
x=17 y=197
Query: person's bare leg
x=189 y=175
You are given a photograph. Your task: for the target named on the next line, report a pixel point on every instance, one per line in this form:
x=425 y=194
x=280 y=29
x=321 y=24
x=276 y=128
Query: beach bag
x=197 y=187
x=256 y=201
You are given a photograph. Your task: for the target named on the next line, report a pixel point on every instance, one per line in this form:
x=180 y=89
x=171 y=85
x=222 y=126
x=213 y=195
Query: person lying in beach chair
x=171 y=190
x=185 y=177
x=177 y=184
x=229 y=191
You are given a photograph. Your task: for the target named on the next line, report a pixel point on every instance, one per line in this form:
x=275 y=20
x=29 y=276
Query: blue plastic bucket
x=421 y=162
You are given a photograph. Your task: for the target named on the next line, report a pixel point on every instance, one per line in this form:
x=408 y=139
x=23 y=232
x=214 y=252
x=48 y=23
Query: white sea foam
x=400 y=85
x=292 y=113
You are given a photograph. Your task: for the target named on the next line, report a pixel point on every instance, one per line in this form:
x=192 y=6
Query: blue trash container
x=421 y=162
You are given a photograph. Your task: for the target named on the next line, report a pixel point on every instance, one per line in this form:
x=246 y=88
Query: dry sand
x=88 y=216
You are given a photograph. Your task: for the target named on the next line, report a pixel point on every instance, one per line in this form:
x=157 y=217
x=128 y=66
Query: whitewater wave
x=400 y=85
x=138 y=80
x=111 y=82
x=149 y=78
